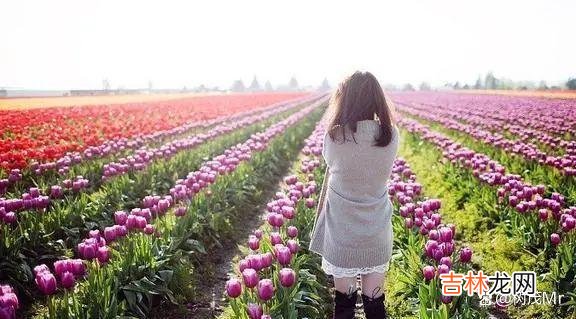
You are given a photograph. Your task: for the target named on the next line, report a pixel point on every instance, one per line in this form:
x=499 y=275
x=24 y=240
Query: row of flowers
x=540 y=218
x=140 y=161
x=100 y=243
x=265 y=281
x=547 y=121
x=554 y=217
x=565 y=163
x=434 y=241
x=47 y=134
x=8 y=302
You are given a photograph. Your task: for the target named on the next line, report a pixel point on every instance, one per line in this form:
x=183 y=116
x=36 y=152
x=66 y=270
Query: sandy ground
x=39 y=102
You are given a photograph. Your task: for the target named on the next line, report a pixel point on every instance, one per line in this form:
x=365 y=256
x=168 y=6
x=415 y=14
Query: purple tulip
x=267 y=259
x=283 y=255
x=120 y=217
x=443 y=269
x=233 y=288
x=67 y=279
x=287 y=277
x=243 y=264
x=543 y=214
x=141 y=223
x=292 y=245
x=446 y=299
x=103 y=254
x=253 y=243
x=254 y=311
x=465 y=255
x=554 y=239
x=292 y=231
x=110 y=234
x=431 y=246
x=433 y=234
x=265 y=289
x=78 y=267
x=275 y=238
x=258 y=233
x=9 y=218
x=446 y=261
x=41 y=269
x=87 y=251
x=250 y=277
x=409 y=222
x=149 y=229
x=56 y=191
x=428 y=272
x=46 y=282
x=310 y=203
x=61 y=266
x=445 y=234
x=288 y=212
x=180 y=211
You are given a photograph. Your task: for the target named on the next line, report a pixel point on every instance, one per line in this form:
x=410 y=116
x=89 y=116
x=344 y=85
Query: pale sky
x=61 y=44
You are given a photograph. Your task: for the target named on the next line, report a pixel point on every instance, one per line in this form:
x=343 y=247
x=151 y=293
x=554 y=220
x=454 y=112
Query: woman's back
x=358 y=169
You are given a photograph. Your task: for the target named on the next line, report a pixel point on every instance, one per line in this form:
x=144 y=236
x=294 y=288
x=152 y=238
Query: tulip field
x=203 y=206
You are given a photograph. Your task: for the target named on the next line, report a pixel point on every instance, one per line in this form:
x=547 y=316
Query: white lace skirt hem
x=339 y=272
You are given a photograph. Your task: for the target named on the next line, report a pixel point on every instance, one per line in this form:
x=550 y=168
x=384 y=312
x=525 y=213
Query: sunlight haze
x=76 y=44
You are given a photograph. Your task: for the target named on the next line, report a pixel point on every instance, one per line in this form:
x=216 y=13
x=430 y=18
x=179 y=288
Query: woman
x=353 y=228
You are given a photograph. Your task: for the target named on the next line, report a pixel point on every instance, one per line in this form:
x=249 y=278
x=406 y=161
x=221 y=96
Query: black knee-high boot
x=344 y=305
x=374 y=307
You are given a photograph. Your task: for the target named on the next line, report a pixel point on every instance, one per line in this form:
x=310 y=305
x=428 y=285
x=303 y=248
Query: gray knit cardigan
x=353 y=224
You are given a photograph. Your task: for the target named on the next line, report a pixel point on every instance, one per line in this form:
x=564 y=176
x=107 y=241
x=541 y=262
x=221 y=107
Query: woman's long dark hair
x=360 y=97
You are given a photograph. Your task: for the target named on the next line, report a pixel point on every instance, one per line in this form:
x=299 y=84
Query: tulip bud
x=120 y=217
x=265 y=289
x=46 y=282
x=292 y=231
x=103 y=254
x=258 y=233
x=254 y=311
x=428 y=272
x=555 y=239
x=292 y=245
x=284 y=255
x=233 y=288
x=250 y=277
x=67 y=279
x=465 y=255
x=287 y=277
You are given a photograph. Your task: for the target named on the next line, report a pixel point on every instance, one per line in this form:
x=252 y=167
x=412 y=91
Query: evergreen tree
x=254 y=86
x=268 y=86
x=325 y=86
x=293 y=84
x=424 y=86
x=571 y=84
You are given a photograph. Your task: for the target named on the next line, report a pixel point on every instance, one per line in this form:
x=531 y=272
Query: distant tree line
x=490 y=82
x=292 y=85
